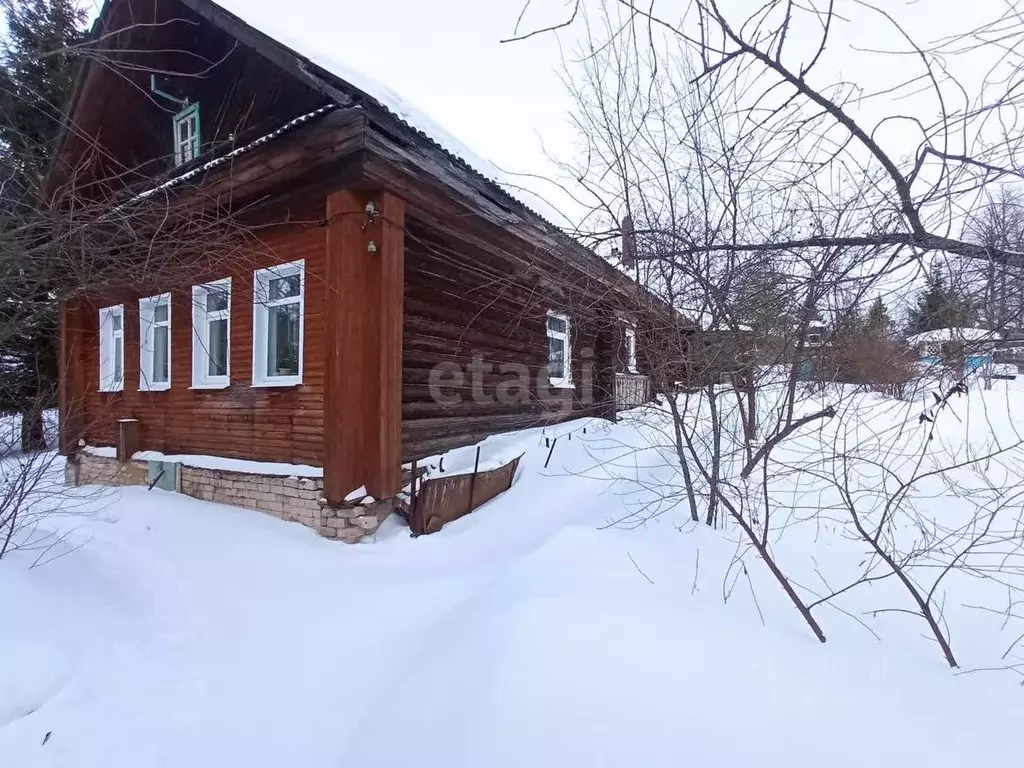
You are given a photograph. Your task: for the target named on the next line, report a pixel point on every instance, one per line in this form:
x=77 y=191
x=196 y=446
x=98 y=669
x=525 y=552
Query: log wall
x=468 y=318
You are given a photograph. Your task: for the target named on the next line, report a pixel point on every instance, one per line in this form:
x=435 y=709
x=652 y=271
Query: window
x=155 y=343
x=631 y=349
x=186 y=135
x=559 y=350
x=211 y=335
x=278 y=311
x=112 y=349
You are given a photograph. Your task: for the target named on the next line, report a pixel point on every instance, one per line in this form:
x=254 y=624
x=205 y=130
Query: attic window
x=186 y=135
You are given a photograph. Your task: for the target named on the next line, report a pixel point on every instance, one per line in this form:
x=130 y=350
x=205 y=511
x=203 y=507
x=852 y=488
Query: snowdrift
x=579 y=619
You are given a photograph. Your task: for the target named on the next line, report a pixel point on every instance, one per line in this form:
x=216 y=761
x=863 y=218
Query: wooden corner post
x=365 y=280
x=72 y=383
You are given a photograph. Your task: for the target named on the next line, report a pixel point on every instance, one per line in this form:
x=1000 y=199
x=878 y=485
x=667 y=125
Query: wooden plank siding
x=362 y=432
x=75 y=343
x=264 y=424
x=458 y=310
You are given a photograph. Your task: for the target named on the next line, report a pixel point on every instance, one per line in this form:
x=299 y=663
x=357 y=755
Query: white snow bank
x=245 y=466
x=528 y=633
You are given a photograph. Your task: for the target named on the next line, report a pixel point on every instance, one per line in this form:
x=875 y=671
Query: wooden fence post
x=472 y=480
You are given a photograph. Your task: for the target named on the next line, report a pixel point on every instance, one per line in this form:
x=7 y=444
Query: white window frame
x=147 y=350
x=566 y=338
x=630 y=338
x=201 y=320
x=188 y=150
x=111 y=339
x=261 y=306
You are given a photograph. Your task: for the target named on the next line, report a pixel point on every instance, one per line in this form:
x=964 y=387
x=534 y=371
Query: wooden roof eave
x=485 y=191
x=52 y=177
x=287 y=59
x=431 y=181
x=279 y=166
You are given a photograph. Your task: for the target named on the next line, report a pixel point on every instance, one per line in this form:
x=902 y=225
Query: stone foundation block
x=295 y=499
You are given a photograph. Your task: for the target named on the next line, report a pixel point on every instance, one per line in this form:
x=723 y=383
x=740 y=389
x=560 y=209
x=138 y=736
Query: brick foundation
x=295 y=499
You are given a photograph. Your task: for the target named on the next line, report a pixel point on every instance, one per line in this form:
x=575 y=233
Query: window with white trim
x=155 y=343
x=186 y=135
x=211 y=335
x=631 y=349
x=278 y=314
x=112 y=349
x=559 y=350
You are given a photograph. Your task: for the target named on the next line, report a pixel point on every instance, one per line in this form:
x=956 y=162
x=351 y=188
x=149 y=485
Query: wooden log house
x=389 y=289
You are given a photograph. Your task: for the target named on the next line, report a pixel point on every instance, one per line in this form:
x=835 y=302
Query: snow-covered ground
x=174 y=632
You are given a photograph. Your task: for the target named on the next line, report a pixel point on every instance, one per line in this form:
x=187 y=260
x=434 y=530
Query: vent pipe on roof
x=628 y=241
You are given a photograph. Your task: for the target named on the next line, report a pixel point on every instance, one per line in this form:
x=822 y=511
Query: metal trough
x=439 y=500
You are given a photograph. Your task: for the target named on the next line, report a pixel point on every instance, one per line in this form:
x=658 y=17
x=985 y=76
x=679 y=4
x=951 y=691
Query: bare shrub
x=763 y=201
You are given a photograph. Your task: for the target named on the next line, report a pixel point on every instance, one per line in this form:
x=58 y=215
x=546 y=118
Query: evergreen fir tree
x=878 y=324
x=37 y=74
x=940 y=306
x=36 y=77
x=762 y=298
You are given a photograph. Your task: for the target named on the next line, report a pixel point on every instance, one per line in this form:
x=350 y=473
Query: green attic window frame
x=186 y=135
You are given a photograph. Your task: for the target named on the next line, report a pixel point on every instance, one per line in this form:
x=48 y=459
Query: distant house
x=726 y=354
x=815 y=337
x=1009 y=352
x=395 y=301
x=968 y=347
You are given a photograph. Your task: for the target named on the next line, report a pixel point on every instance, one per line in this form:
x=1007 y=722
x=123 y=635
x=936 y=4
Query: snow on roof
x=954 y=334
x=726 y=326
x=302 y=28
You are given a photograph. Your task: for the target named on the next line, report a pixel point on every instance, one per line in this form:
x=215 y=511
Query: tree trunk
x=33 y=433
x=684 y=465
x=716 y=456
